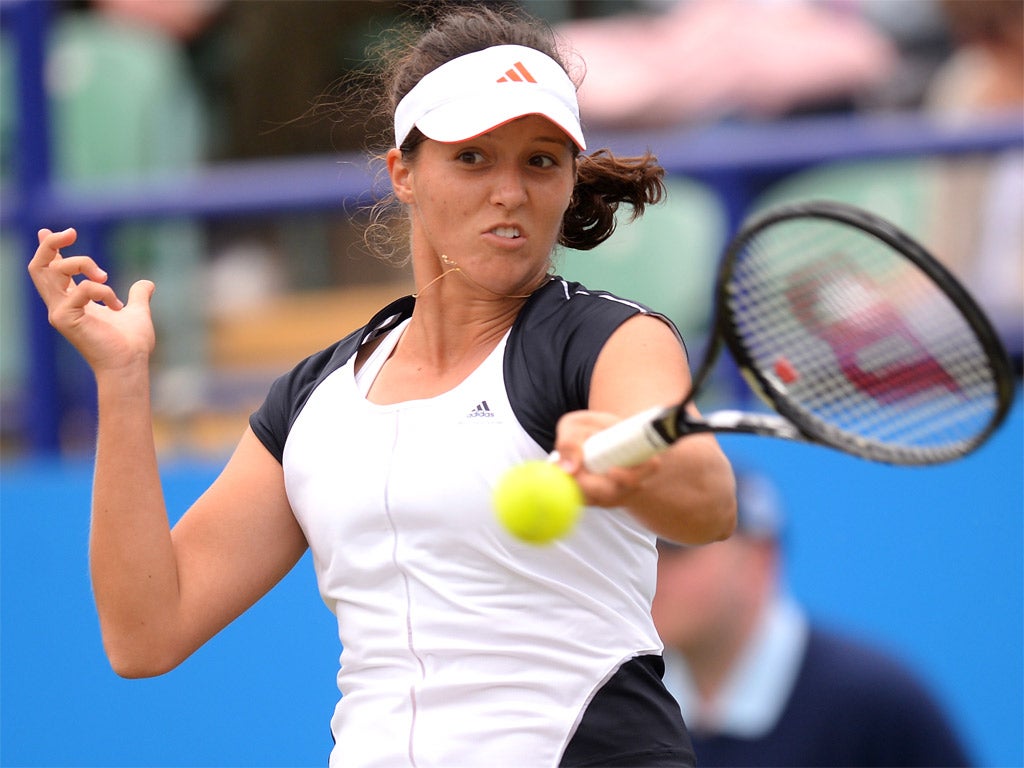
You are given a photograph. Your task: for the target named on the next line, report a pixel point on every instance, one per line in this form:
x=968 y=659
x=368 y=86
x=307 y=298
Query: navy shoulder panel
x=552 y=349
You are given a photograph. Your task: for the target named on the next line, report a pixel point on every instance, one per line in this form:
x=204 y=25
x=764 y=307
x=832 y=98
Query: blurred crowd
x=260 y=65
x=140 y=88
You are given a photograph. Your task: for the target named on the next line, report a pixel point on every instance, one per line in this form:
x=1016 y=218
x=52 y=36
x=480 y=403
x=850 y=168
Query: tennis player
x=461 y=646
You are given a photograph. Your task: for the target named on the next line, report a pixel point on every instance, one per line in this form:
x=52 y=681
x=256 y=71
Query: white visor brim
x=481 y=91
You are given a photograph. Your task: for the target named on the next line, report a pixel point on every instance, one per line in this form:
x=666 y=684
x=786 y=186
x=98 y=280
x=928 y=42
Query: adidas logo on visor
x=518 y=74
x=461 y=98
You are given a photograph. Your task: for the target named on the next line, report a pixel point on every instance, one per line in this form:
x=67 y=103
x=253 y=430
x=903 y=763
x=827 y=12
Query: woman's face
x=493 y=205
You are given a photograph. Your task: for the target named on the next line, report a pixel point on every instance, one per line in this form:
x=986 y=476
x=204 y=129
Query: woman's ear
x=400 y=173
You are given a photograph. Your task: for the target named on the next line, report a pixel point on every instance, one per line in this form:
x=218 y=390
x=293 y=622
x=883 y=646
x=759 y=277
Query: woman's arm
x=160 y=594
x=687 y=493
x=163 y=593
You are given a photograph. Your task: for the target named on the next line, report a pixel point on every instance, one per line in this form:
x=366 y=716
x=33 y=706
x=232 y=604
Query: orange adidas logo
x=518 y=74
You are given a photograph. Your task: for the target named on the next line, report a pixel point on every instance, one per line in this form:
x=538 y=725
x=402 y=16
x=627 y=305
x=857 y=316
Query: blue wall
x=927 y=562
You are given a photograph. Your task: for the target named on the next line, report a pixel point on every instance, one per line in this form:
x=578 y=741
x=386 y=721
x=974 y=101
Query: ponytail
x=603 y=181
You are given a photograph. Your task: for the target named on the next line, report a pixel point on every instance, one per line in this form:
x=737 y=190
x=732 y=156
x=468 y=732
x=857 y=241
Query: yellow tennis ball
x=538 y=501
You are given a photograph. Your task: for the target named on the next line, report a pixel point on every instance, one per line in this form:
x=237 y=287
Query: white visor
x=480 y=91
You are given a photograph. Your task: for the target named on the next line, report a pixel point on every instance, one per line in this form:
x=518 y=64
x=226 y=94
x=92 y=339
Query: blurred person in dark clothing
x=759 y=684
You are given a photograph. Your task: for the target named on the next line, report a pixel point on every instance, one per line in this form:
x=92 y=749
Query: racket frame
x=668 y=424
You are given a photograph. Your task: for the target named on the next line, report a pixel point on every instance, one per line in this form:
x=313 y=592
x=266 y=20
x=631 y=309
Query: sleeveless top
x=462 y=646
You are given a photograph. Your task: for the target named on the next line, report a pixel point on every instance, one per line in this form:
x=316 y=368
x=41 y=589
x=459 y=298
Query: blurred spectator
x=986 y=69
x=183 y=20
x=264 y=64
x=704 y=60
x=920 y=34
x=271 y=72
x=125 y=106
x=984 y=75
x=760 y=685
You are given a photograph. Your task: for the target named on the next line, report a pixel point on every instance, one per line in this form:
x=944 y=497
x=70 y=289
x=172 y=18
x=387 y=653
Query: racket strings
x=858 y=340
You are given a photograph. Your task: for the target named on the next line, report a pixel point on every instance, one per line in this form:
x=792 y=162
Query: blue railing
x=737 y=161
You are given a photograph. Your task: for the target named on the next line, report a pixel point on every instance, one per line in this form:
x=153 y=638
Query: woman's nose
x=509 y=189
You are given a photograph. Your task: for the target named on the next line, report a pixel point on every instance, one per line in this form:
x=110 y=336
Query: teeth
x=506 y=231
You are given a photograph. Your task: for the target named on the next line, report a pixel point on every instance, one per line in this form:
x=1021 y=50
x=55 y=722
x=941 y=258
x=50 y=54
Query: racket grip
x=630 y=442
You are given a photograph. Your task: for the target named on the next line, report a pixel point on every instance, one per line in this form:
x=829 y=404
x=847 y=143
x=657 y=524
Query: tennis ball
x=538 y=501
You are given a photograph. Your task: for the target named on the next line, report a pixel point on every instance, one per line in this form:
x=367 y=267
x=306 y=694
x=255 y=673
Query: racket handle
x=630 y=442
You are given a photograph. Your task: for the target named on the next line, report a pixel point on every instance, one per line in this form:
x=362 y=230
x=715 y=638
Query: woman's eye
x=542 y=161
x=470 y=157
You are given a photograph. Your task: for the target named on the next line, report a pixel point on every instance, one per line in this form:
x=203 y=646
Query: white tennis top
x=461 y=645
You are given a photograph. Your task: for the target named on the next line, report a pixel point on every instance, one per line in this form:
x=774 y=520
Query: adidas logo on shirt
x=481 y=411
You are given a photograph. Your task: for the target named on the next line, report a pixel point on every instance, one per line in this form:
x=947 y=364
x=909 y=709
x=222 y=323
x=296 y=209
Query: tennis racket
x=852 y=332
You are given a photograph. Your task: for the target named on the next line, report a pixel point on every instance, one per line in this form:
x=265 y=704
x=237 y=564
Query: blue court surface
x=926 y=562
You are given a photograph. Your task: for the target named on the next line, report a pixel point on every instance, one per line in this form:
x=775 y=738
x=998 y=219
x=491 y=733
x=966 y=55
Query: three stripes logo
x=517 y=74
x=481 y=411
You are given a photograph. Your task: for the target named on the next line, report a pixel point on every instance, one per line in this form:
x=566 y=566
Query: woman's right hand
x=107 y=332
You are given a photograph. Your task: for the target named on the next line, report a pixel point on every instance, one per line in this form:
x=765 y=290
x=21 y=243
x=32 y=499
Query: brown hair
x=604 y=181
